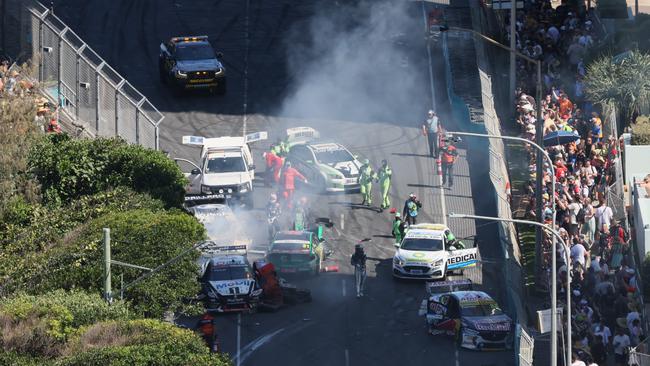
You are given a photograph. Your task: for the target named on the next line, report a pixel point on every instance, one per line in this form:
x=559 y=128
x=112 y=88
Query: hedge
x=641 y=131
x=71 y=168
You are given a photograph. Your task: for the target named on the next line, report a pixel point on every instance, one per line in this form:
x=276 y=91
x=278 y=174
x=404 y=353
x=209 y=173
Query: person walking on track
x=411 y=208
x=366 y=176
x=430 y=128
x=288 y=179
x=449 y=154
x=271 y=160
x=384 y=175
x=398 y=228
x=358 y=260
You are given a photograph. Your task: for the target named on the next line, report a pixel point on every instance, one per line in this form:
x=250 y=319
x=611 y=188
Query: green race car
x=328 y=166
x=297 y=252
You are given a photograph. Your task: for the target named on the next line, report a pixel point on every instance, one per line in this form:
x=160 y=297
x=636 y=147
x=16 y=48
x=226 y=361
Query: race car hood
x=347 y=168
x=412 y=257
x=198 y=65
x=228 y=288
x=224 y=179
x=497 y=323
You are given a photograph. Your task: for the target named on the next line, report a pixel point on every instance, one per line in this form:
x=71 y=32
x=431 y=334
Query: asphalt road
x=361 y=76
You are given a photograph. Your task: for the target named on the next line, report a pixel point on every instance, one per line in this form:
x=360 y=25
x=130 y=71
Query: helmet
x=273 y=198
x=303 y=200
x=366 y=161
x=287 y=164
x=431 y=112
x=384 y=162
x=412 y=195
x=397 y=214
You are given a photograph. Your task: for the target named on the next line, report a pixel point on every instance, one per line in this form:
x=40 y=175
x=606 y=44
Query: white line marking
x=343 y=287
x=257 y=343
x=433 y=103
x=457 y=357
x=238 y=339
x=248 y=41
x=342 y=221
x=347 y=357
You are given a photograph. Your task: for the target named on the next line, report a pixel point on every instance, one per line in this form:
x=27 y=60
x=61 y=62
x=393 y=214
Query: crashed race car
x=425 y=253
x=218 y=219
x=297 y=251
x=277 y=292
x=472 y=317
x=227 y=281
x=328 y=166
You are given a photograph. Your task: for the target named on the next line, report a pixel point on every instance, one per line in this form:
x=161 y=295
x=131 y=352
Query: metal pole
x=76 y=87
x=58 y=72
x=107 y=265
x=513 y=45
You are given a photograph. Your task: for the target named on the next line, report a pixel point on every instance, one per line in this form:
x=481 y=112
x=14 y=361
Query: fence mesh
x=91 y=93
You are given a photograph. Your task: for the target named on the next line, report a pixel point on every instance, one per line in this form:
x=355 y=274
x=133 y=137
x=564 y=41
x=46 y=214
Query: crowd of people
x=14 y=84
x=606 y=318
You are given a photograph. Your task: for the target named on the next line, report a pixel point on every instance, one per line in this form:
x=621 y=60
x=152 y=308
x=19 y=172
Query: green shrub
x=71 y=168
x=141 y=237
x=40 y=325
x=138 y=342
x=15 y=359
x=25 y=246
x=640 y=133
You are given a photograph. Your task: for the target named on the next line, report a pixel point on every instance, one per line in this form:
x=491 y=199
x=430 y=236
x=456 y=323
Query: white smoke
x=353 y=63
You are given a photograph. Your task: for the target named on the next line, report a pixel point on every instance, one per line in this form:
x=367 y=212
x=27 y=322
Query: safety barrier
x=88 y=91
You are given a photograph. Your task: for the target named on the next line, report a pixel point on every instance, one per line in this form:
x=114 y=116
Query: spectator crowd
x=606 y=308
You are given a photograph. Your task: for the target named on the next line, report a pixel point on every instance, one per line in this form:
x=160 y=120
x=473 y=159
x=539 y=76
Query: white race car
x=424 y=253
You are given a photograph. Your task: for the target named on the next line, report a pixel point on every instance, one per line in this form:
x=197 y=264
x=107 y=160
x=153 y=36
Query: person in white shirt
x=602 y=330
x=621 y=342
x=575 y=361
x=604 y=215
x=579 y=254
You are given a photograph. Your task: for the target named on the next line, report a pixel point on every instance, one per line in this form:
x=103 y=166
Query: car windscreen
x=333 y=156
x=194 y=52
x=227 y=273
x=481 y=308
x=280 y=246
x=225 y=165
x=422 y=244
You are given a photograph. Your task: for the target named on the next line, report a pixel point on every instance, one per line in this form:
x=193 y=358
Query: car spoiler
x=302 y=134
x=211 y=247
x=448 y=286
x=250 y=138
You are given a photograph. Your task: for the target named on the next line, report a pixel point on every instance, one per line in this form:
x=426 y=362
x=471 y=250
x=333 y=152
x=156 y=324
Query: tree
x=623 y=83
x=71 y=168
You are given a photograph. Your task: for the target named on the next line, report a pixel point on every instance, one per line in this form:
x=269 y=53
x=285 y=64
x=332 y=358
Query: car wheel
x=221 y=88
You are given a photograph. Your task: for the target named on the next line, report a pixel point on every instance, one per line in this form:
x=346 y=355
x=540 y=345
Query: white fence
x=86 y=88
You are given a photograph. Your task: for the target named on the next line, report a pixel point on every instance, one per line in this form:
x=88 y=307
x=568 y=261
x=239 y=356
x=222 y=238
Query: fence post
x=58 y=71
x=76 y=86
x=137 y=125
x=40 y=51
x=117 y=110
x=107 y=265
x=157 y=137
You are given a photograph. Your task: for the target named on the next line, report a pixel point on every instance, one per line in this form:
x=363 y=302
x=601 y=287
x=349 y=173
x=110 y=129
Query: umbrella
x=560 y=138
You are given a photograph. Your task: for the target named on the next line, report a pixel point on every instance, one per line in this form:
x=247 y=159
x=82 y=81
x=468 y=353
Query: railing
x=85 y=87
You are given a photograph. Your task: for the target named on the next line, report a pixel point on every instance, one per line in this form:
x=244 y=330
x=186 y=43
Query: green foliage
x=40 y=325
x=141 y=237
x=138 y=342
x=26 y=242
x=18 y=132
x=641 y=131
x=16 y=359
x=625 y=83
x=71 y=168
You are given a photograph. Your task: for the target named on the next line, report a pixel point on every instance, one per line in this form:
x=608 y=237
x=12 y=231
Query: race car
x=226 y=170
x=191 y=63
x=425 y=253
x=328 y=166
x=218 y=219
x=473 y=317
x=297 y=252
x=227 y=281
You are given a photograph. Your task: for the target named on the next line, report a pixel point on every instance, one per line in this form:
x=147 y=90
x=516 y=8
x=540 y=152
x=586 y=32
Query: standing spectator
x=589 y=224
x=599 y=350
x=579 y=255
x=621 y=343
x=603 y=215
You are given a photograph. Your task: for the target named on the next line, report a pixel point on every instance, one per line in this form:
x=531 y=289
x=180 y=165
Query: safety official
x=366 y=176
x=398 y=228
x=411 y=208
x=208 y=329
x=289 y=175
x=384 y=175
x=449 y=155
x=430 y=128
x=271 y=161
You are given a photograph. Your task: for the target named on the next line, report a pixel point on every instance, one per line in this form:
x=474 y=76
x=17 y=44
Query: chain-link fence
x=525 y=346
x=85 y=87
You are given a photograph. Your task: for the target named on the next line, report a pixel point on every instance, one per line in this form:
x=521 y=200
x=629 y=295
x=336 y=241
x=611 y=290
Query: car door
x=303 y=160
x=194 y=176
x=451 y=316
x=462 y=258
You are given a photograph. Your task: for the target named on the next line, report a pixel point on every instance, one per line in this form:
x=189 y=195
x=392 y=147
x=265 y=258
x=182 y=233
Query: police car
x=424 y=253
x=226 y=170
x=191 y=63
x=227 y=281
x=328 y=166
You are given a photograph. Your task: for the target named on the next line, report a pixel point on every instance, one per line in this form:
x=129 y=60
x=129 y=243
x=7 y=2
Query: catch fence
x=85 y=87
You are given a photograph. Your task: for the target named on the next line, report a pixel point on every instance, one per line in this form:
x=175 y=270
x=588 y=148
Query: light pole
x=567 y=257
x=553 y=259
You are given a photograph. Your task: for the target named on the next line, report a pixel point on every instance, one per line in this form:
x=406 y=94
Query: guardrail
x=85 y=87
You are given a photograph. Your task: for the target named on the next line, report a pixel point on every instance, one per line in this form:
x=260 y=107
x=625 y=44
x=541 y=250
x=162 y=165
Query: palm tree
x=623 y=82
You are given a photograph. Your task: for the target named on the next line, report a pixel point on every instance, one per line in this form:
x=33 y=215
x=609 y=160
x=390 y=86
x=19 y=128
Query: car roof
x=325 y=146
x=423 y=234
x=223 y=142
x=189 y=40
x=429 y=226
x=228 y=260
x=471 y=296
x=292 y=235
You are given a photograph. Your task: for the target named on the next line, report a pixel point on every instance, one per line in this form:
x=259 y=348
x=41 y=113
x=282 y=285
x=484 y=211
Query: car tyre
x=222 y=87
